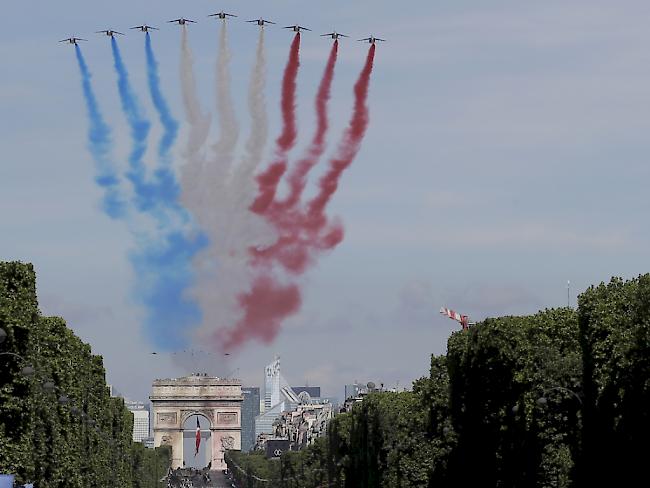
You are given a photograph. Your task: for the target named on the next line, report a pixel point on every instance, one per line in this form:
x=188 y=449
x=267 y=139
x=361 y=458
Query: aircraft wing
x=330 y=34
x=269 y=22
x=120 y=33
x=175 y=20
x=188 y=20
x=343 y=35
x=305 y=28
x=366 y=39
x=378 y=39
x=256 y=20
x=230 y=15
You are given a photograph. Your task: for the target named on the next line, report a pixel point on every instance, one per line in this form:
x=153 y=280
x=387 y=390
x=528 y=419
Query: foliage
x=253 y=470
x=41 y=440
x=513 y=413
x=615 y=339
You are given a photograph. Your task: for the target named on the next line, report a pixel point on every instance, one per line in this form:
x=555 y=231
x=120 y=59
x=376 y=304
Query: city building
x=304 y=424
x=249 y=410
x=278 y=397
x=140 y=413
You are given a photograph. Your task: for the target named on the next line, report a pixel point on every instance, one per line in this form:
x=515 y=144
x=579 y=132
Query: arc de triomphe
x=173 y=401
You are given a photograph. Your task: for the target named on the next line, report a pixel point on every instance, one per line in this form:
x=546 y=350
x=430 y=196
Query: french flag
x=198 y=436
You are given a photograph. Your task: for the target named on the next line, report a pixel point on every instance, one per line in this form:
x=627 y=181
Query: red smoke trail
x=302 y=232
x=348 y=148
x=265 y=307
x=269 y=179
x=297 y=177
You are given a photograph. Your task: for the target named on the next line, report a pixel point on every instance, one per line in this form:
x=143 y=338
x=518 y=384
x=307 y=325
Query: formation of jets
x=223 y=15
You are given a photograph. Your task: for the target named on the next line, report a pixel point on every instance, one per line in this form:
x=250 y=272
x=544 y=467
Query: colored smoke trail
x=348 y=148
x=199 y=128
x=223 y=266
x=139 y=126
x=297 y=177
x=269 y=179
x=163 y=254
x=225 y=146
x=100 y=145
x=265 y=307
x=169 y=123
x=259 y=128
x=305 y=232
x=166 y=186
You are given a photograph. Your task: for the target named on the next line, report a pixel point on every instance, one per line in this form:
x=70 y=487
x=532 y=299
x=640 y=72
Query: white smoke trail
x=199 y=125
x=233 y=228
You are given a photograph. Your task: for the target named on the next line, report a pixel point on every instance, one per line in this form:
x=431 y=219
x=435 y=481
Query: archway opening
x=191 y=458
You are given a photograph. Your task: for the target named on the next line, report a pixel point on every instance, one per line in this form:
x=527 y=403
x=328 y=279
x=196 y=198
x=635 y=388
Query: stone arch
x=174 y=401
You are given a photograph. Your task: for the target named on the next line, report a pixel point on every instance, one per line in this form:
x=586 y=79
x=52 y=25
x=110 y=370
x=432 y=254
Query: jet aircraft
x=297 y=28
x=73 y=40
x=261 y=22
x=109 y=32
x=181 y=21
x=334 y=35
x=145 y=28
x=372 y=39
x=222 y=15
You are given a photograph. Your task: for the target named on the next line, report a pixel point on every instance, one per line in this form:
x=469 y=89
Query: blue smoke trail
x=139 y=130
x=163 y=256
x=167 y=187
x=100 y=145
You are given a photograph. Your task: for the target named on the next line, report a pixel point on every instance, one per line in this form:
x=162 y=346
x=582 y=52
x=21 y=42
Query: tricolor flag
x=198 y=436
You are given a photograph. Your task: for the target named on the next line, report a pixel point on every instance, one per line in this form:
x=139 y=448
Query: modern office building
x=140 y=413
x=249 y=410
x=278 y=397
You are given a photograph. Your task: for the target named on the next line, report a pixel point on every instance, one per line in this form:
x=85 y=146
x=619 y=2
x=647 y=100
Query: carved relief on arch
x=167 y=418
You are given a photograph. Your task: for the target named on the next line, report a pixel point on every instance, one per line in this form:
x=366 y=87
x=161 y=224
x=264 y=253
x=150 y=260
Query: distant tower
x=272 y=384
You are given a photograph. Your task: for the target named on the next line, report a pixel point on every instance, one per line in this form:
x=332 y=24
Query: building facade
x=140 y=413
x=217 y=400
x=249 y=410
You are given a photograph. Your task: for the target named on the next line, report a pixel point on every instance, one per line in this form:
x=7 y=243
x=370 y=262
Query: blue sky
x=506 y=154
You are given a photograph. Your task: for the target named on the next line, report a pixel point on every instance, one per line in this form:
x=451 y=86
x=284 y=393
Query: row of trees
x=59 y=427
x=557 y=399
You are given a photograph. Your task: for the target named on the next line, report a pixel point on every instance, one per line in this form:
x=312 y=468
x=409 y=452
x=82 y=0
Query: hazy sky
x=506 y=154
